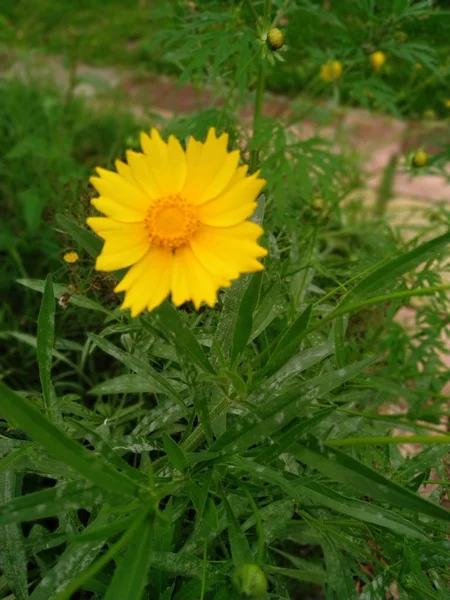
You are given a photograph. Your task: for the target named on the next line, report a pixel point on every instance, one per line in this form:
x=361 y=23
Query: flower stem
x=259 y=97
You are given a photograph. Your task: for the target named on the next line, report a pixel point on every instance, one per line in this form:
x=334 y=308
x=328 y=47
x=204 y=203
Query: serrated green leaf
x=18 y=410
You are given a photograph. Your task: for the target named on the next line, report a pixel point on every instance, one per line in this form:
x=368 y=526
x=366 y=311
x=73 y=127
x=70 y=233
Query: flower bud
x=420 y=158
x=429 y=115
x=447 y=103
x=250 y=581
x=377 y=59
x=275 y=38
x=331 y=70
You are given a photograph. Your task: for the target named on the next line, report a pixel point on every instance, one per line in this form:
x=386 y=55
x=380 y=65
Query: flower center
x=170 y=222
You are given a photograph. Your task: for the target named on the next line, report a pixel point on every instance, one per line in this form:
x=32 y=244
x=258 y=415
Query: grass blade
x=366 y=481
x=280 y=410
x=45 y=343
x=390 y=271
x=131 y=573
x=56 y=442
x=181 y=336
x=13 y=561
x=244 y=318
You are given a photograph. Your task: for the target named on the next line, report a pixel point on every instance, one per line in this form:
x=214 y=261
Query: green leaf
x=138 y=366
x=270 y=307
x=83 y=237
x=130 y=576
x=13 y=561
x=240 y=549
x=74 y=560
x=45 y=343
x=38 y=285
x=366 y=481
x=51 y=502
x=340 y=584
x=390 y=271
x=244 y=318
x=339 y=340
x=126 y=384
x=175 y=454
x=181 y=336
x=278 y=411
x=322 y=495
x=18 y=410
x=232 y=298
x=288 y=344
x=8 y=461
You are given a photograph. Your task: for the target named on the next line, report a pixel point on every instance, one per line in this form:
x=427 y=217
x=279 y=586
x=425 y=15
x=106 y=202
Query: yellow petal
x=122 y=250
x=114 y=186
x=148 y=282
x=117 y=211
x=203 y=286
x=166 y=162
x=233 y=206
x=215 y=262
x=210 y=167
x=138 y=165
x=125 y=171
x=105 y=227
x=238 y=244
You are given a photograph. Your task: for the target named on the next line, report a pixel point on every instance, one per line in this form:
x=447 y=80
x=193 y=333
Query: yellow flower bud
x=418 y=66
x=275 y=38
x=331 y=70
x=429 y=115
x=70 y=257
x=447 y=103
x=377 y=59
x=420 y=158
x=250 y=581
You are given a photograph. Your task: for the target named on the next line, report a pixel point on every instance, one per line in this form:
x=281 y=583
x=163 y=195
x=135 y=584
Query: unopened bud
x=275 y=38
x=331 y=70
x=377 y=59
x=420 y=158
x=250 y=581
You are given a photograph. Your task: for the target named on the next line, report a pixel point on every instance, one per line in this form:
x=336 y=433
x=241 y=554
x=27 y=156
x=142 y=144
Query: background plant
x=153 y=457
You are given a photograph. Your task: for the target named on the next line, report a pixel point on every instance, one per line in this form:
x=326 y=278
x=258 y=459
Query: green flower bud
x=420 y=158
x=250 y=581
x=275 y=38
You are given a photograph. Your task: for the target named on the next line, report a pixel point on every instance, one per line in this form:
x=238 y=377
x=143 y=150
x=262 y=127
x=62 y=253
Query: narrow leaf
x=45 y=343
x=18 y=410
x=244 y=318
x=83 y=237
x=366 y=481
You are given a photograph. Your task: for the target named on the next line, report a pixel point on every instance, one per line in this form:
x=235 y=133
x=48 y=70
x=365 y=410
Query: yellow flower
x=178 y=219
x=377 y=59
x=71 y=257
x=447 y=103
x=331 y=70
x=275 y=38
